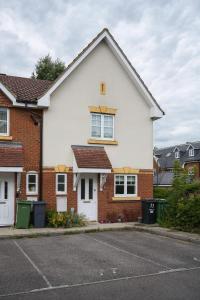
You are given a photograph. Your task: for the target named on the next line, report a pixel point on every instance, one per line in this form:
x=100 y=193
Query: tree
x=47 y=69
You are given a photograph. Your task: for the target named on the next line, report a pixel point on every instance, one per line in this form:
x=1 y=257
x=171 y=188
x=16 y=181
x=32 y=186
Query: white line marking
x=130 y=253
x=33 y=264
x=66 y=286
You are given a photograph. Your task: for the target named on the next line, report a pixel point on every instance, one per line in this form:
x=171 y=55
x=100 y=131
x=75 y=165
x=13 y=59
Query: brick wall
x=196 y=166
x=106 y=204
x=23 y=130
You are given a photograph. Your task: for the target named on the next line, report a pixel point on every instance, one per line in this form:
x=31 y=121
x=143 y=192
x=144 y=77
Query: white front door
x=87 y=196
x=6 y=199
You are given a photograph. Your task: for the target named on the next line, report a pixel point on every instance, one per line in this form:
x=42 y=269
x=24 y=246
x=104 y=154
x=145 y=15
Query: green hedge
x=161 y=192
x=183 y=202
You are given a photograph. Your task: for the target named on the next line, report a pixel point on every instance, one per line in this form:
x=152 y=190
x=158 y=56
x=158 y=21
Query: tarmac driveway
x=107 y=265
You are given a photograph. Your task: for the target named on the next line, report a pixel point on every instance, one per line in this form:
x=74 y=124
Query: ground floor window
x=125 y=185
x=32 y=183
x=61 y=184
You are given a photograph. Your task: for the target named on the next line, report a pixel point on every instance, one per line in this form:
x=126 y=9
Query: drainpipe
x=41 y=159
x=38 y=121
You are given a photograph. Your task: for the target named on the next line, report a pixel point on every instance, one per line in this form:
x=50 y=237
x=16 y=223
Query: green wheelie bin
x=23 y=214
x=161 y=208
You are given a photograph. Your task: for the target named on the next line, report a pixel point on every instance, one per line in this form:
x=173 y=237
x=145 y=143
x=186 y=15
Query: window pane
x=90 y=188
x=108 y=126
x=108 y=132
x=3 y=121
x=119 y=189
x=96 y=120
x=131 y=185
x=96 y=125
x=108 y=121
x=3 y=127
x=83 y=189
x=32 y=178
x=61 y=187
x=6 y=190
x=32 y=187
x=3 y=114
x=119 y=185
x=61 y=178
x=96 y=131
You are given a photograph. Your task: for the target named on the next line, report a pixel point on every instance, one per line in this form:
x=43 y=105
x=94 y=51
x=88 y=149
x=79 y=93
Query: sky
x=160 y=37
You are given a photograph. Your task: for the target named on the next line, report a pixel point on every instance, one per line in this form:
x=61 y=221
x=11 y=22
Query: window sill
x=103 y=142
x=6 y=138
x=125 y=198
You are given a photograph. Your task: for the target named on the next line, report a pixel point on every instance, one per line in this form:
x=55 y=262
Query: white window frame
x=8 y=122
x=191 y=152
x=65 y=184
x=27 y=183
x=177 y=154
x=102 y=127
x=125 y=186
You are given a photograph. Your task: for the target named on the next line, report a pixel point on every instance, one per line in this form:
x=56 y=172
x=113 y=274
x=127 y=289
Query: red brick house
x=96 y=136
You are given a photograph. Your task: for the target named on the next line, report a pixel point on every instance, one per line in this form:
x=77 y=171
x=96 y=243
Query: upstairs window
x=177 y=154
x=102 y=126
x=4 y=119
x=191 y=152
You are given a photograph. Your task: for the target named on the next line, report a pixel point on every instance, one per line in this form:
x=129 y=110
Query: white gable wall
x=67 y=121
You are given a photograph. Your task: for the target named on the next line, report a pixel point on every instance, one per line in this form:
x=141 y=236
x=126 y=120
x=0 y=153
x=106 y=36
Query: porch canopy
x=11 y=157
x=91 y=159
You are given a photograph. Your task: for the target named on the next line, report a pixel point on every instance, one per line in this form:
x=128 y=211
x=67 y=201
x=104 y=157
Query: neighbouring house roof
x=163 y=178
x=92 y=157
x=25 y=89
x=165 y=157
x=11 y=154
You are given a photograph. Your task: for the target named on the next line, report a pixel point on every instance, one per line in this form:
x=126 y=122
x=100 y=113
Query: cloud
x=161 y=39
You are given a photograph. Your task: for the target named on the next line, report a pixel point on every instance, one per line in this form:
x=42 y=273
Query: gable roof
x=156 y=111
x=23 y=89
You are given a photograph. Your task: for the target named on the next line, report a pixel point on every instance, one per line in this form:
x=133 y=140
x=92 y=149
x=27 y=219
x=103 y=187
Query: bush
x=65 y=219
x=161 y=193
x=183 y=203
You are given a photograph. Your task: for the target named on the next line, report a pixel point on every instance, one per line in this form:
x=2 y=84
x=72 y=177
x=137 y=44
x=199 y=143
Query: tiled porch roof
x=11 y=154
x=91 y=157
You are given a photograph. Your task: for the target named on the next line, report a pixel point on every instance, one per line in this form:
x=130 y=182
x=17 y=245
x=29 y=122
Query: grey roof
x=163 y=178
x=166 y=156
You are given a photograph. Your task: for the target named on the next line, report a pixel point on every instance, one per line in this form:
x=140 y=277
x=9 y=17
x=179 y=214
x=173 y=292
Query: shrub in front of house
x=161 y=192
x=65 y=219
x=183 y=202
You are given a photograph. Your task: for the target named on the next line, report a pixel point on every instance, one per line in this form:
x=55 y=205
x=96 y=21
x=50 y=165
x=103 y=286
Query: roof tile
x=91 y=157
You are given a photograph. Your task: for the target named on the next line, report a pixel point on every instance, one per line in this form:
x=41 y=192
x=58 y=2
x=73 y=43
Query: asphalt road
x=107 y=265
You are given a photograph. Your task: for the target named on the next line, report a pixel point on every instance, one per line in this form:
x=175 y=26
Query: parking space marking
x=161 y=273
x=130 y=253
x=33 y=264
